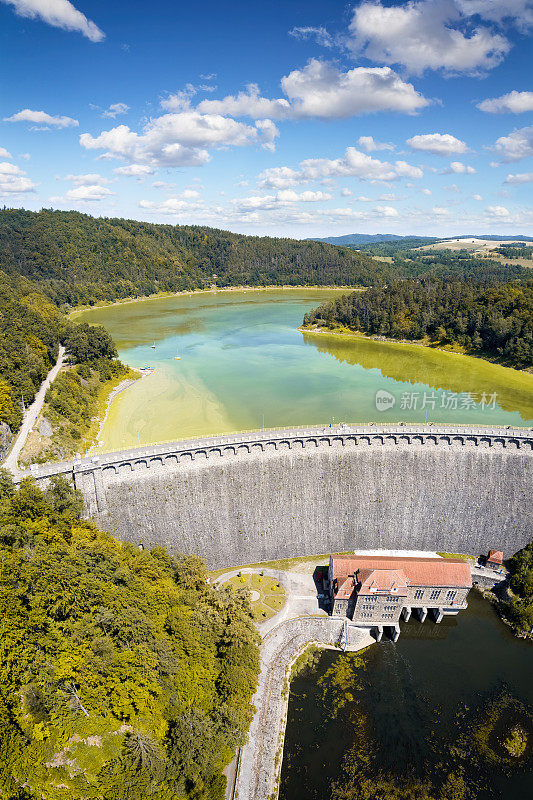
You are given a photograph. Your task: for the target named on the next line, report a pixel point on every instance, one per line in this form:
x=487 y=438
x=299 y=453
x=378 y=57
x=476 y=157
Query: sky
x=281 y=118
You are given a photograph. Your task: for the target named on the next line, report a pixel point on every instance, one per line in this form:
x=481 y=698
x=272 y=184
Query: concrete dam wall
x=242 y=499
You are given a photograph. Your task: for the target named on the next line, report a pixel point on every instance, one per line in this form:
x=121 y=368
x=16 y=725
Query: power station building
x=375 y=591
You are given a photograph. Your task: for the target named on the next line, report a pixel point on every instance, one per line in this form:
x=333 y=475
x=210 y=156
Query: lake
x=439 y=701
x=244 y=364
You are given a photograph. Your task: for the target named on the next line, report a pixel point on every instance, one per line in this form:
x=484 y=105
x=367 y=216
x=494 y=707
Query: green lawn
x=271 y=594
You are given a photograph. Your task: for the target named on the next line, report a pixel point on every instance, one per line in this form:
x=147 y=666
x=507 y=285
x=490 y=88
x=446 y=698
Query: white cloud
x=115 y=109
x=353 y=164
x=60 y=14
x=387 y=211
x=440 y=211
x=424 y=34
x=283 y=197
x=515 y=146
x=520 y=11
x=346 y=192
x=13 y=180
x=319 y=34
x=440 y=144
x=458 y=168
x=247 y=104
x=134 y=170
x=163 y=185
x=85 y=194
x=171 y=206
x=512 y=103
x=190 y=194
x=369 y=144
x=497 y=211
x=42 y=118
x=175 y=140
x=427 y=192
x=91 y=179
x=524 y=177
x=321 y=90
x=477 y=197
x=4 y=153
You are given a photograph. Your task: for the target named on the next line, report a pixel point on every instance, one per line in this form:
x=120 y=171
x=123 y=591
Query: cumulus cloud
x=247 y=104
x=524 y=177
x=60 y=14
x=85 y=194
x=13 y=180
x=134 y=170
x=369 y=144
x=353 y=163
x=5 y=153
x=319 y=34
x=515 y=146
x=425 y=34
x=91 y=179
x=440 y=144
x=182 y=139
x=458 y=168
x=42 y=118
x=322 y=90
x=519 y=11
x=387 y=211
x=171 y=206
x=512 y=103
x=497 y=211
x=115 y=110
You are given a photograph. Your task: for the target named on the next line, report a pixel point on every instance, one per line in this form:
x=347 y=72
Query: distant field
x=475 y=246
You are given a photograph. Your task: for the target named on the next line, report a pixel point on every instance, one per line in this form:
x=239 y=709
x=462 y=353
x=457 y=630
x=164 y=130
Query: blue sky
x=293 y=118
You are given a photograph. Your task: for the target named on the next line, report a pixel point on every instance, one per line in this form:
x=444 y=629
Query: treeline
x=124 y=675
x=78 y=259
x=520 y=608
x=495 y=322
x=510 y=251
x=31 y=329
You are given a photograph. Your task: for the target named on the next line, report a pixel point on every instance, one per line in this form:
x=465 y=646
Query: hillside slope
x=81 y=259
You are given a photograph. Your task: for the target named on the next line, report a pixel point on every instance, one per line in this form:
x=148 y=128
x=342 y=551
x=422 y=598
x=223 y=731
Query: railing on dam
x=343 y=433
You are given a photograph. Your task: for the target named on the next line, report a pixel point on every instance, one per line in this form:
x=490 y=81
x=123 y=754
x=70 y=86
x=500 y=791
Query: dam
x=267 y=495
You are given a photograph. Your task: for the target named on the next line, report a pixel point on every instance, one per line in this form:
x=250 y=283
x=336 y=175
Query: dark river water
x=438 y=703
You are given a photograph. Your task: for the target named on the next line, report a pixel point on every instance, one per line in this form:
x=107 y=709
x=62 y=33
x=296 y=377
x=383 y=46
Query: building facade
x=376 y=591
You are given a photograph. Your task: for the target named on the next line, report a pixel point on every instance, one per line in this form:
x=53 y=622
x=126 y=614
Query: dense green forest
x=79 y=259
x=520 y=608
x=31 y=329
x=495 y=321
x=124 y=675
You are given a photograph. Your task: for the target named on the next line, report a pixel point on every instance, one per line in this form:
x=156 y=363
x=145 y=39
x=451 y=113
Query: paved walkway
x=300 y=622
x=32 y=412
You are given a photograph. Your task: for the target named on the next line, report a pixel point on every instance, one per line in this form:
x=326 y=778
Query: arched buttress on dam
x=268 y=495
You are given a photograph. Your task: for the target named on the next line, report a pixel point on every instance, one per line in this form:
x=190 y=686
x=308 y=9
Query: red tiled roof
x=382 y=580
x=496 y=556
x=346 y=588
x=417 y=571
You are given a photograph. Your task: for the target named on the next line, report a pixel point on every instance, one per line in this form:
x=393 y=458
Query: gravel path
x=32 y=412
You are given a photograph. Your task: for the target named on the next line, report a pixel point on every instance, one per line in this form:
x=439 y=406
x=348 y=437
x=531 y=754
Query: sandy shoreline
x=347 y=334
x=160 y=295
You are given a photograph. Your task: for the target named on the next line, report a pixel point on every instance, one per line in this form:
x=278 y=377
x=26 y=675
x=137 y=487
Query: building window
x=451 y=595
x=391 y=599
x=419 y=593
x=435 y=594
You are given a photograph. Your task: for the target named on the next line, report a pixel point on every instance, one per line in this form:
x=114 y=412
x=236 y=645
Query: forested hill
x=124 y=675
x=495 y=321
x=79 y=259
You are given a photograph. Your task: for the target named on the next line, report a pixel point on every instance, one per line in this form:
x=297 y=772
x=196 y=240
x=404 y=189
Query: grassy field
x=267 y=595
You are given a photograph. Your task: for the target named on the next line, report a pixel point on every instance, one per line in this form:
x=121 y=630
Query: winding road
x=32 y=413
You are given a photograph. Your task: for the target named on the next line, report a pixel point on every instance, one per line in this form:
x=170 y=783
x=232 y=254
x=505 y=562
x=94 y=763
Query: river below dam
x=243 y=364
x=428 y=718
